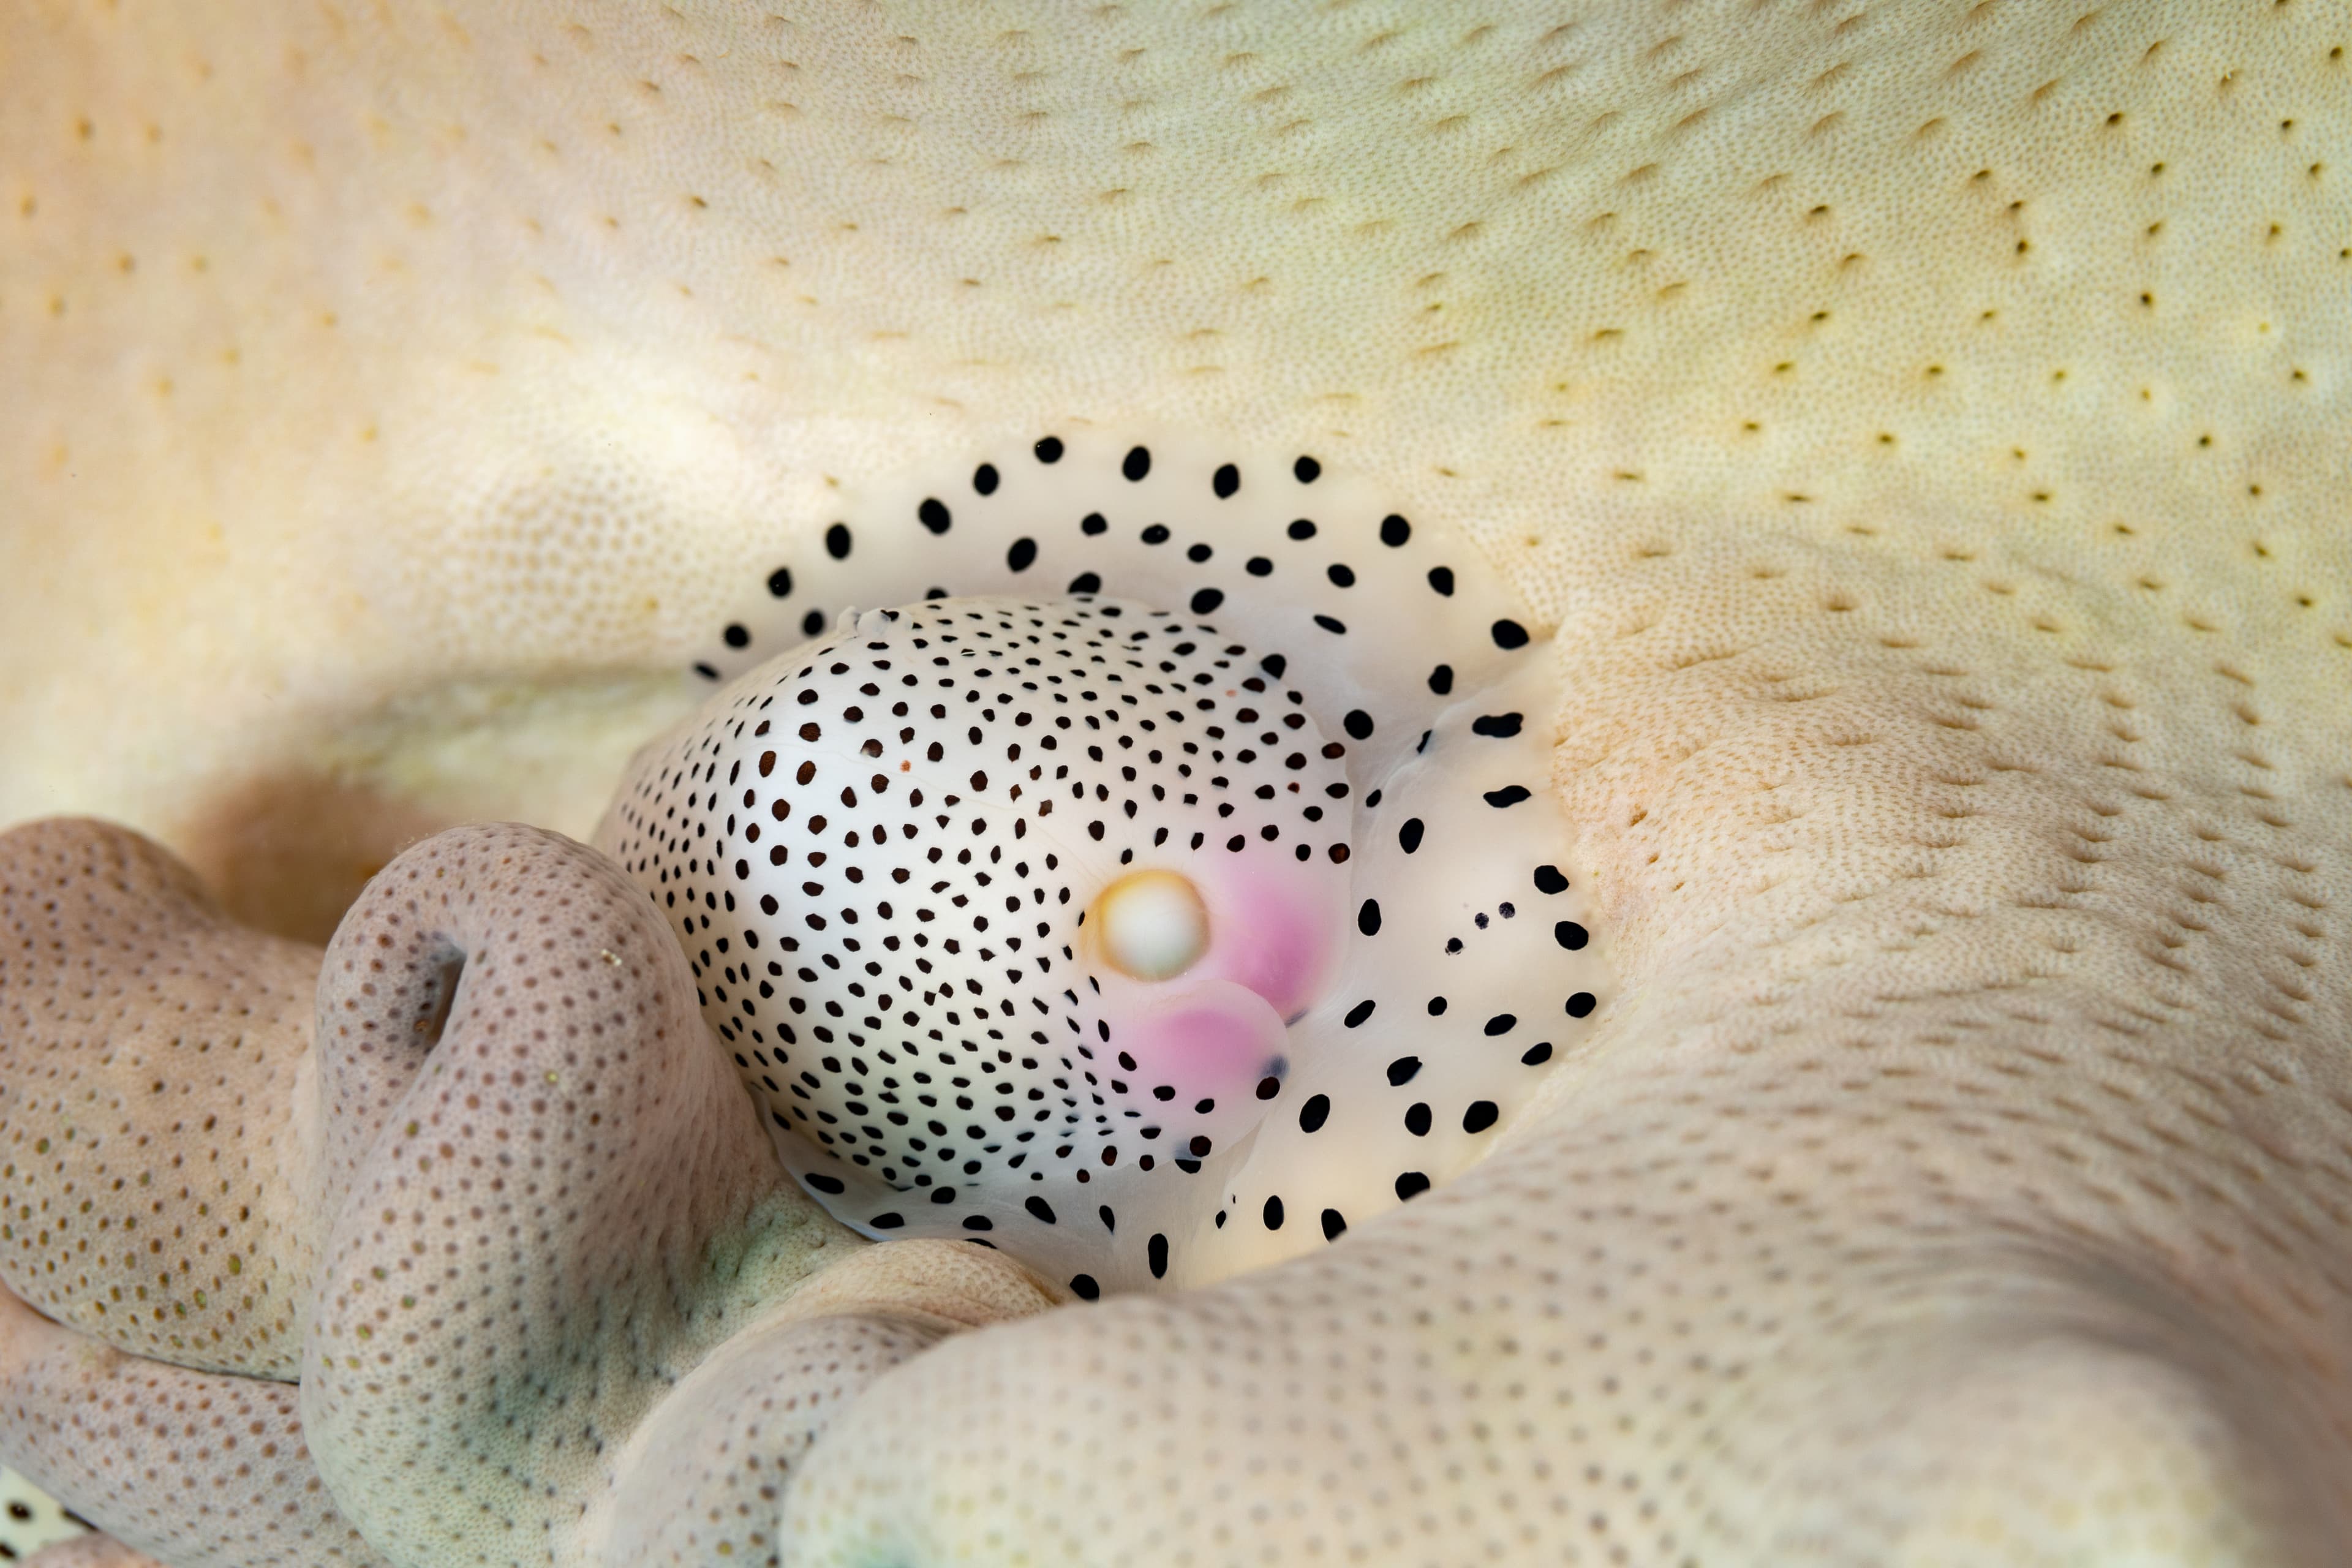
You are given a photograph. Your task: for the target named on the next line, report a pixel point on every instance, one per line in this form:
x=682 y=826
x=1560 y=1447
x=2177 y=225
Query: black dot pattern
x=880 y=855
x=1397 y=745
x=1290 y=555
x=1459 y=993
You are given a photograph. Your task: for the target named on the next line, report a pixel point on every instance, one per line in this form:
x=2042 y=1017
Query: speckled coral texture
x=1922 y=422
x=152 y=1050
x=542 y=1244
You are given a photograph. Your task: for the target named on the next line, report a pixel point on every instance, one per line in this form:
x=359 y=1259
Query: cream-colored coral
x=1922 y=422
x=510 y=1214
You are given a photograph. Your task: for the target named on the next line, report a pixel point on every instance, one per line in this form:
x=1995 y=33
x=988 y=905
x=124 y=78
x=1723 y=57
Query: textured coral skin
x=211 y=1471
x=535 y=1201
x=135 y=1015
x=1923 y=424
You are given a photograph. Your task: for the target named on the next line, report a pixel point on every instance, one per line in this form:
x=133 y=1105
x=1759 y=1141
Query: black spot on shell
x=1156 y=534
x=1272 y=1214
x=1207 y=599
x=1549 y=880
x=1411 y=1184
x=1225 y=482
x=1442 y=579
x=1040 y=1208
x=1341 y=575
x=1537 y=1054
x=1267 y=1087
x=1083 y=1286
x=1331 y=624
x=1500 y=726
x=887 y=1221
x=1257 y=566
x=1571 y=935
x=737 y=635
x=813 y=623
x=1136 y=464
x=1301 y=528
x=1368 y=917
x=1580 y=1003
x=1313 y=1113
x=780 y=583
x=1306 y=471
x=1358 y=1012
x=934 y=515
x=1335 y=1224
x=1417 y=1120
x=836 y=542
x=1409 y=835
x=1481 y=1115
x=1086 y=583
x=983 y=478
x=1501 y=1023
x=1394 y=531
x=829 y=1186
x=1441 y=680
x=1156 y=1250
x=1400 y=1071
x=1358 y=724
x=1023 y=555
x=1049 y=451
x=1509 y=633
x=977 y=1222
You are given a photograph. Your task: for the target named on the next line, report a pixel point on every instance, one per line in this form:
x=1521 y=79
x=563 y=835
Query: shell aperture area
x=1115 y=936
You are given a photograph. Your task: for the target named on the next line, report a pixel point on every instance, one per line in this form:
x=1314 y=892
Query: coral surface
x=1918 y=429
x=508 y=1209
